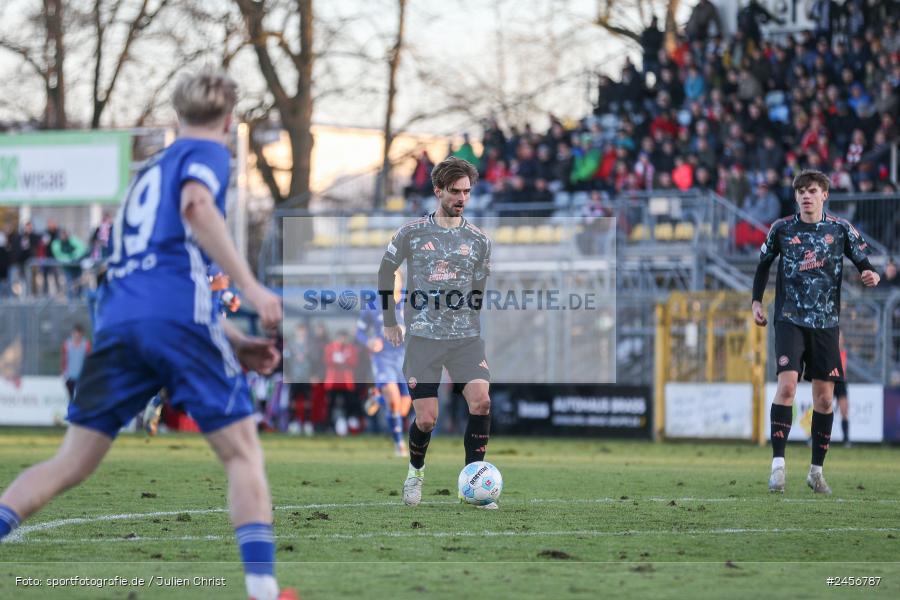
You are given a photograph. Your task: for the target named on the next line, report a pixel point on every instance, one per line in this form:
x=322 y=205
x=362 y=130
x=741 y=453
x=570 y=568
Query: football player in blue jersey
x=156 y=326
x=387 y=366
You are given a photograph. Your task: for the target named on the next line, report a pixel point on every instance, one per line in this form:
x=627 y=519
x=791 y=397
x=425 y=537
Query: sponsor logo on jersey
x=464 y=249
x=428 y=246
x=783 y=360
x=829 y=238
x=442 y=272
x=795 y=240
x=809 y=261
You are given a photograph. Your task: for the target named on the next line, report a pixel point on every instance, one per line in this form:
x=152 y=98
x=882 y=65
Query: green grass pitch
x=578 y=519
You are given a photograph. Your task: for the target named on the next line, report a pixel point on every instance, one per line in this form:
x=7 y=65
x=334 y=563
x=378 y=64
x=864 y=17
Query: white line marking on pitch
x=21 y=532
x=479 y=534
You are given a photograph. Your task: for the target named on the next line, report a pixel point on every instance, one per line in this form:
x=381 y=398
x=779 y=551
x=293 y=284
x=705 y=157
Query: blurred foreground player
x=387 y=366
x=812 y=245
x=448 y=262
x=156 y=325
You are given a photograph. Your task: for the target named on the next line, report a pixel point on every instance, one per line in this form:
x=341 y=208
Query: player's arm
x=479 y=281
x=856 y=249
x=209 y=229
x=767 y=255
x=254 y=353
x=393 y=257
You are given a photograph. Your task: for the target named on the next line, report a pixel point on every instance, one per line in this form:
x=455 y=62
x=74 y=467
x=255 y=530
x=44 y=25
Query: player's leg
x=391 y=394
x=789 y=348
x=840 y=390
x=204 y=377
x=238 y=448
x=468 y=366
x=824 y=369
x=822 y=421
x=81 y=451
x=478 y=427
x=422 y=367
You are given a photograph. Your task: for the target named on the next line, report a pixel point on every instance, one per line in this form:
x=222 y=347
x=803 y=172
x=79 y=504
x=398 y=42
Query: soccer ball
x=480 y=483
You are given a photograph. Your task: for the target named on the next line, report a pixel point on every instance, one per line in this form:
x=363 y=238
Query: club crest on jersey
x=464 y=249
x=829 y=238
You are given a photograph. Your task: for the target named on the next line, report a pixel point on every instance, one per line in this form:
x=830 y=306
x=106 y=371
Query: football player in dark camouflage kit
x=448 y=262
x=812 y=245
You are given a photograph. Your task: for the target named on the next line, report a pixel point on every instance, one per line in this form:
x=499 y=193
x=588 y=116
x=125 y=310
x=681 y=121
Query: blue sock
x=257 y=545
x=381 y=401
x=9 y=520
x=396 y=423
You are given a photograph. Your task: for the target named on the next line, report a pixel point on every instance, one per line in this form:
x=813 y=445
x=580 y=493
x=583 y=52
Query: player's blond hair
x=205 y=97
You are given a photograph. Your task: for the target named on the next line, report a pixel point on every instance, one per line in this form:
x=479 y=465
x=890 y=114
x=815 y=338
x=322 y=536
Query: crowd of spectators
x=49 y=262
x=736 y=115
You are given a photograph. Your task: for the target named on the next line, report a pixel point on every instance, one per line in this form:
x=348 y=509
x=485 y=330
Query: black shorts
x=424 y=359
x=840 y=389
x=813 y=353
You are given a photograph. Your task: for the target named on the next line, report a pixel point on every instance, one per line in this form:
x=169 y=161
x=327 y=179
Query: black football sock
x=780 y=417
x=478 y=432
x=821 y=435
x=845 y=427
x=418 y=445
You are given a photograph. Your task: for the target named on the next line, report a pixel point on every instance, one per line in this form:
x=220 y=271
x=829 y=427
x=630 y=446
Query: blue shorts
x=130 y=362
x=390 y=371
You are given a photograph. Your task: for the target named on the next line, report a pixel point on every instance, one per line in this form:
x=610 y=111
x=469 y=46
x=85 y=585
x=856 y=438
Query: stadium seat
x=358 y=222
x=684 y=231
x=525 y=234
x=638 y=233
x=395 y=204
x=544 y=234
x=376 y=237
x=704 y=230
x=324 y=240
x=359 y=239
x=723 y=230
x=663 y=232
x=505 y=235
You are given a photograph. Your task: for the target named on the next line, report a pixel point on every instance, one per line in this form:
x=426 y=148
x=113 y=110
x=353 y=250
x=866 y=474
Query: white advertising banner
x=33 y=401
x=56 y=168
x=709 y=410
x=866 y=408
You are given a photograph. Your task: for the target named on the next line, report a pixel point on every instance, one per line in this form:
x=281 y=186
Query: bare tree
x=616 y=16
x=383 y=187
x=103 y=19
x=41 y=46
x=294 y=107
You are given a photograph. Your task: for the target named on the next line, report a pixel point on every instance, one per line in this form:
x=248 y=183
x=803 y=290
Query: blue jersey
x=371 y=324
x=157 y=270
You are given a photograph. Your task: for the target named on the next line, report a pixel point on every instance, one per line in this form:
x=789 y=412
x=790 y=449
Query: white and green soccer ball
x=480 y=483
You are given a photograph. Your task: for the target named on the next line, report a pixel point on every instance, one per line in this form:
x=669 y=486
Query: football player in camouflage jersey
x=448 y=262
x=812 y=245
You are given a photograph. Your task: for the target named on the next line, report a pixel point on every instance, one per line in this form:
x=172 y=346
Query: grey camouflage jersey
x=808 y=287
x=442 y=265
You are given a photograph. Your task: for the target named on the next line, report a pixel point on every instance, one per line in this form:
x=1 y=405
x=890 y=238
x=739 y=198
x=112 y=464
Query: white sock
x=412 y=470
x=777 y=462
x=261 y=587
x=813 y=469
